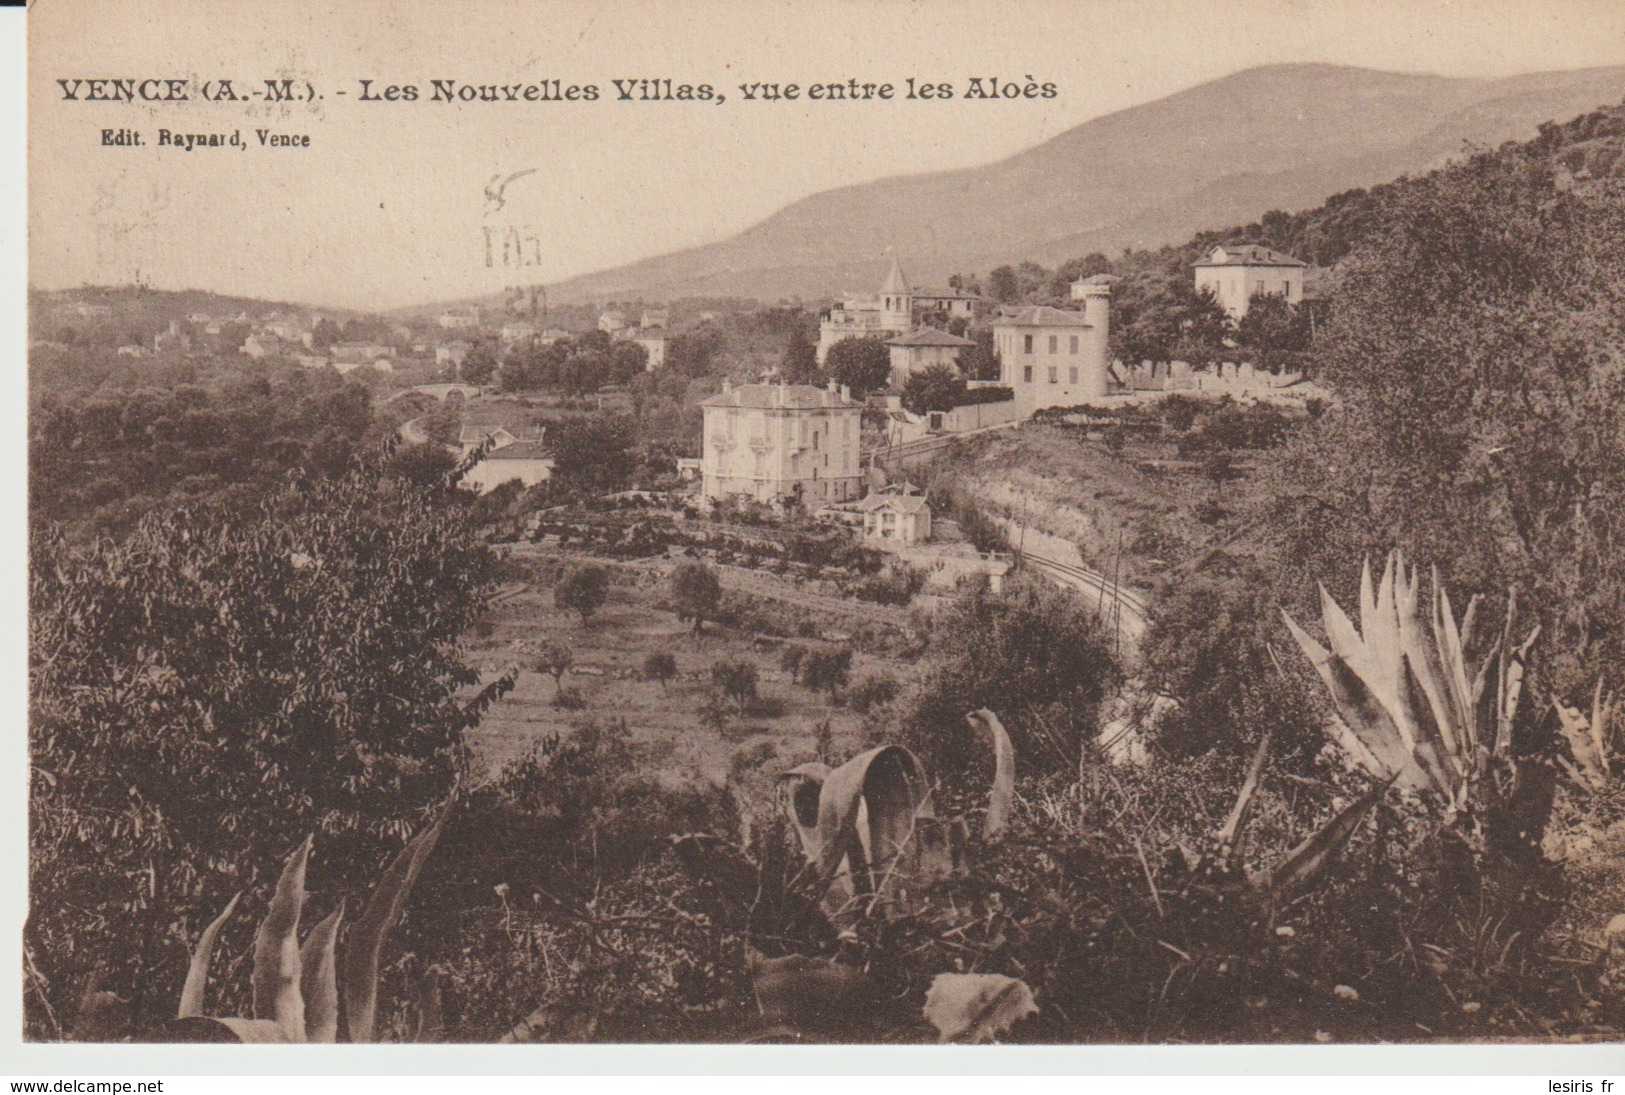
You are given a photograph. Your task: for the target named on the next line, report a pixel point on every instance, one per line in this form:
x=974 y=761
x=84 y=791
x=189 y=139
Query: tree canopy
x=862 y=364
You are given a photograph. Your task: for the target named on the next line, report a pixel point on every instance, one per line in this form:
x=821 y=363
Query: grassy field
x=609 y=650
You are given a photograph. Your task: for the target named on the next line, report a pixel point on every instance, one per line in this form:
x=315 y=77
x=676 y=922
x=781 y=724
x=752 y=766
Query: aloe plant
x=868 y=828
x=1590 y=739
x=297 y=987
x=1414 y=705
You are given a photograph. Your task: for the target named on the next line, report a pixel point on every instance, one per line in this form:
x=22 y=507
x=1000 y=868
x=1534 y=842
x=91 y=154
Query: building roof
x=895 y=283
x=1043 y=315
x=930 y=336
x=945 y=294
x=1247 y=254
x=521 y=450
x=902 y=503
x=803 y=397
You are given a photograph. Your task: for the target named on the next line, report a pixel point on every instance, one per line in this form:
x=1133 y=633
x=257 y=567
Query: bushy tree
x=223 y=682
x=1036 y=655
x=980 y=362
x=479 y=364
x=1274 y=328
x=555 y=659
x=696 y=593
x=592 y=452
x=862 y=364
x=583 y=589
x=1475 y=344
x=1208 y=648
x=934 y=388
x=826 y=669
x=799 y=365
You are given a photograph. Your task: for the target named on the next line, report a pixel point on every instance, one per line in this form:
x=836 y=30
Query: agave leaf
x=1236 y=823
x=1424 y=654
x=197 y=974
x=1456 y=674
x=1512 y=692
x=318 y=980
x=1305 y=863
x=889 y=785
x=976 y=1007
x=1383 y=752
x=364 y=953
x=258 y=1031
x=1430 y=752
x=802 y=785
x=1004 y=775
x=276 y=951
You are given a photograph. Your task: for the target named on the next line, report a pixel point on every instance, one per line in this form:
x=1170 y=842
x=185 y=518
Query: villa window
x=1054 y=375
x=1072 y=375
x=1027 y=374
x=1054 y=342
x=1026 y=344
x=1074 y=346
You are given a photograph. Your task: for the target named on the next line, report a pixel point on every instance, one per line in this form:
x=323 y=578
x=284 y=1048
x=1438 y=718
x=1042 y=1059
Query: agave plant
x=1417 y=705
x=869 y=831
x=297 y=986
x=1590 y=740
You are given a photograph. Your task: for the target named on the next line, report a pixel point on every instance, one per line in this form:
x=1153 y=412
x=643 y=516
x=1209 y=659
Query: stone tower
x=896 y=302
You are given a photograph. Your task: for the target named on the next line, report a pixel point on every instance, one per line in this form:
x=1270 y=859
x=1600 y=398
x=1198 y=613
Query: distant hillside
x=1278 y=137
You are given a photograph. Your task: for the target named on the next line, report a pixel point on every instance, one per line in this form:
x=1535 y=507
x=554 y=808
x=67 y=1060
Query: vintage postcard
x=902 y=523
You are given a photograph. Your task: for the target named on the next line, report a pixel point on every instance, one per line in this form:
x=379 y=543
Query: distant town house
x=922 y=348
x=1235 y=273
x=452 y=353
x=459 y=319
x=778 y=442
x=654 y=341
x=263 y=344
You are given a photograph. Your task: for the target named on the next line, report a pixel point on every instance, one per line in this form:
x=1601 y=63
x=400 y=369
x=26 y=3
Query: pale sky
x=387 y=206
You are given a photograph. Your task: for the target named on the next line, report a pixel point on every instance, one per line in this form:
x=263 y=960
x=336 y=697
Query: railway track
x=1128 y=604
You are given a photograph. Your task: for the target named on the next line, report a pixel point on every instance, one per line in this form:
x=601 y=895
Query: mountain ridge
x=1142 y=176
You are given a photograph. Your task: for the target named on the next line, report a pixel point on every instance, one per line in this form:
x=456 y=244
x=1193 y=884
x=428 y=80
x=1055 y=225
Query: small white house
x=530 y=462
x=896 y=520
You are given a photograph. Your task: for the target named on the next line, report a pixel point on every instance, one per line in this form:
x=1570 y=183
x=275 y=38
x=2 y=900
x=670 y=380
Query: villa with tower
x=1054 y=357
x=890 y=313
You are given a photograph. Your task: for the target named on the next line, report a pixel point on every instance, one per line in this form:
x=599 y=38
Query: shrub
x=659 y=666
x=790 y=659
x=871 y=692
x=737 y=680
x=826 y=669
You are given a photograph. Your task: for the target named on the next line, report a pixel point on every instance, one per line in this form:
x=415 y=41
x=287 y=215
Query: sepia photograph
x=830 y=524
